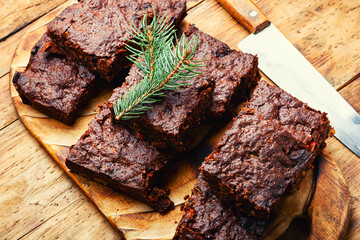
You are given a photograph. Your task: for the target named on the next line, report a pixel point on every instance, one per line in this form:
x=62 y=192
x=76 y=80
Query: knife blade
x=290 y=70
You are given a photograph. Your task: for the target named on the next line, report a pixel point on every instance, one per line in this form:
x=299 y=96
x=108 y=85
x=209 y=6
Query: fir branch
x=163 y=66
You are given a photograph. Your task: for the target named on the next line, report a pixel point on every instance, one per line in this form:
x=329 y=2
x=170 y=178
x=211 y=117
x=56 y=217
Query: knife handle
x=247 y=13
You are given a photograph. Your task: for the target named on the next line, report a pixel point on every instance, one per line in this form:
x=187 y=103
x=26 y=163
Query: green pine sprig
x=164 y=65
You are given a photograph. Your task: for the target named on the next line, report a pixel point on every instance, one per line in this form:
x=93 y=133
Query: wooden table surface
x=37 y=199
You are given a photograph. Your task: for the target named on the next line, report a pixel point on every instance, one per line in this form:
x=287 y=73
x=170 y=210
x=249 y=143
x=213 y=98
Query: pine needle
x=163 y=65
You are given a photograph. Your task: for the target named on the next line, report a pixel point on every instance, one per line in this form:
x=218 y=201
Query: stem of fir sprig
x=163 y=66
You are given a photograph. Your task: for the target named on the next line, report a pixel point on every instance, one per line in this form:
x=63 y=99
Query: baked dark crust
x=306 y=124
x=235 y=74
x=256 y=163
x=95 y=32
x=110 y=153
x=54 y=85
x=173 y=121
x=207 y=217
x=227 y=79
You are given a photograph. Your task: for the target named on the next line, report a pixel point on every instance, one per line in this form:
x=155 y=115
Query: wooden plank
x=7 y=111
x=35 y=194
x=7 y=48
x=325 y=31
x=16 y=14
x=192 y=3
x=351 y=93
x=88 y=224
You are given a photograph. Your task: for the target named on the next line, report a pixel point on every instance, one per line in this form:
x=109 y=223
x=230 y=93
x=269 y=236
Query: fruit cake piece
x=53 y=84
x=207 y=217
x=234 y=73
x=256 y=163
x=110 y=153
x=173 y=122
x=95 y=32
x=308 y=125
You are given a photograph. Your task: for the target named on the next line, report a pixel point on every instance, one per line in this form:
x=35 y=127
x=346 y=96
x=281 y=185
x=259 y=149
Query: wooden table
x=38 y=200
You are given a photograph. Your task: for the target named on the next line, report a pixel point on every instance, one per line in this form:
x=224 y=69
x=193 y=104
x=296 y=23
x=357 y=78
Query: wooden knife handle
x=246 y=12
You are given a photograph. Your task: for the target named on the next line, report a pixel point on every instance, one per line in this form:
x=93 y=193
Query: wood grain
x=7 y=111
x=349 y=163
x=133 y=219
x=35 y=193
x=14 y=16
x=7 y=48
x=326 y=199
x=322 y=31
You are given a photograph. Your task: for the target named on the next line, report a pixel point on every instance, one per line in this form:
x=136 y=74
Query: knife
x=291 y=71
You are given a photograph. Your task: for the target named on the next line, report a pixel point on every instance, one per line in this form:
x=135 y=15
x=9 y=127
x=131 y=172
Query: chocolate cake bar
x=54 y=85
x=256 y=163
x=226 y=80
x=95 y=33
x=110 y=153
x=234 y=73
x=207 y=218
x=173 y=121
x=306 y=124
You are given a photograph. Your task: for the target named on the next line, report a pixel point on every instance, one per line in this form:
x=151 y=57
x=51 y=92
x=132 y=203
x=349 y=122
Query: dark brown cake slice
x=173 y=121
x=306 y=124
x=207 y=218
x=256 y=163
x=53 y=84
x=226 y=80
x=95 y=32
x=110 y=153
x=234 y=74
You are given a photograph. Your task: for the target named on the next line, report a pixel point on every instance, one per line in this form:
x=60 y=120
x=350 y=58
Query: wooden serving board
x=323 y=196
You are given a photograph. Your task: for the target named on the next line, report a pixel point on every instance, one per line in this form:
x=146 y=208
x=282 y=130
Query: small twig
x=164 y=67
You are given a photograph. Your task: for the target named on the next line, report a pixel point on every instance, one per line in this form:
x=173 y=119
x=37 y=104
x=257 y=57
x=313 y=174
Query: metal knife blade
x=291 y=71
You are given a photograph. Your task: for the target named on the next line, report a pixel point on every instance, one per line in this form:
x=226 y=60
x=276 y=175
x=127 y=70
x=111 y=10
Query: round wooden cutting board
x=323 y=196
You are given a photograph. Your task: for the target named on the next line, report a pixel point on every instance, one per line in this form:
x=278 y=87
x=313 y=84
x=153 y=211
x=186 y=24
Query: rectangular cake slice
x=53 y=84
x=110 y=153
x=226 y=80
x=256 y=163
x=306 y=124
x=234 y=73
x=207 y=217
x=173 y=121
x=95 y=33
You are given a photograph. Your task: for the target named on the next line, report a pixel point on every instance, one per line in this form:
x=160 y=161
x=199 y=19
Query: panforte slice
x=53 y=84
x=207 y=218
x=234 y=73
x=110 y=153
x=306 y=124
x=256 y=163
x=173 y=121
x=95 y=33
